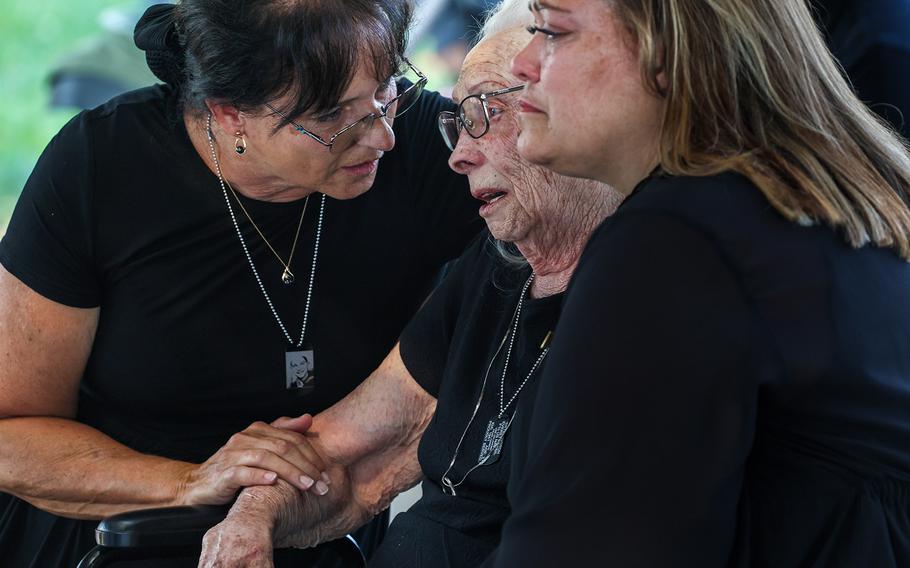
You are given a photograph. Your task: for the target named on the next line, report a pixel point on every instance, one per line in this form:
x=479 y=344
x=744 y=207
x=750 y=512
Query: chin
x=533 y=148
x=344 y=191
x=506 y=231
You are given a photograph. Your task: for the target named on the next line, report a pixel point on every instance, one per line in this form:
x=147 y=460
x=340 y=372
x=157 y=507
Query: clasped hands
x=262 y=454
x=259 y=455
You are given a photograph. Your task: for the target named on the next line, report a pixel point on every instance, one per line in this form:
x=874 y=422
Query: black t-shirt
x=448 y=348
x=725 y=388
x=120 y=212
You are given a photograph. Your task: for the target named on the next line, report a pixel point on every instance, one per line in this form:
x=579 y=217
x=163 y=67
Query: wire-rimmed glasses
x=473 y=116
x=350 y=134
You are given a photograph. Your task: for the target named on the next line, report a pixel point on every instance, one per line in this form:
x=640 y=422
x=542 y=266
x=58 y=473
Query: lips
x=489 y=195
x=362 y=168
x=525 y=106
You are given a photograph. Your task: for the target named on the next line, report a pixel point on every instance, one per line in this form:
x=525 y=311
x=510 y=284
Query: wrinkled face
x=292 y=160
x=516 y=195
x=586 y=111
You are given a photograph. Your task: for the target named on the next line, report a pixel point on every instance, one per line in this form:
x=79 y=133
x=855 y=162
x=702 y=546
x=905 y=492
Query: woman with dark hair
x=181 y=251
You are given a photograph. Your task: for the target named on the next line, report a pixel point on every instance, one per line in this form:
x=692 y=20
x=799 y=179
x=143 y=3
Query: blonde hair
x=750 y=86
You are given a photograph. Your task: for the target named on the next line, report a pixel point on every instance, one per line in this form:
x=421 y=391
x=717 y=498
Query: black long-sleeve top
x=725 y=388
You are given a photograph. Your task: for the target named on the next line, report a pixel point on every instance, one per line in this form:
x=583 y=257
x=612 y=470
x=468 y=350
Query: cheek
x=502 y=153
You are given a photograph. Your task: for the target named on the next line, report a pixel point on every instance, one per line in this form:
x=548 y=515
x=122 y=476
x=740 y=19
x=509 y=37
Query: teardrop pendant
x=287 y=276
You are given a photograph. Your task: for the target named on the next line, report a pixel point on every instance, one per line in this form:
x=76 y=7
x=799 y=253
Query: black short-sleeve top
x=454 y=347
x=120 y=212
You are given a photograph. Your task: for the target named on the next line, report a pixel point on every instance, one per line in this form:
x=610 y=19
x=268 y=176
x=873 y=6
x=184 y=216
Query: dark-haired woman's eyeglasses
x=472 y=116
x=350 y=134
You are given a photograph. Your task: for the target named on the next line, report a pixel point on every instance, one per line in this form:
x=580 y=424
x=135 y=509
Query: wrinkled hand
x=242 y=540
x=259 y=455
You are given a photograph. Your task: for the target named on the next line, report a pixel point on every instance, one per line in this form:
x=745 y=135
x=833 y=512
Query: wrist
x=264 y=504
x=186 y=491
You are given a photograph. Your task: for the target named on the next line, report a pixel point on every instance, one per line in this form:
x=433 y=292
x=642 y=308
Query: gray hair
x=506 y=15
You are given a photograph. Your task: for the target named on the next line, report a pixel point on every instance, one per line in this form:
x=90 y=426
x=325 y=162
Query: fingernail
x=321 y=488
x=326 y=478
x=270 y=476
x=306 y=481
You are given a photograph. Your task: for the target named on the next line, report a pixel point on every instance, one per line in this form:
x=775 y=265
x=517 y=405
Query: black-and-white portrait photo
x=300 y=371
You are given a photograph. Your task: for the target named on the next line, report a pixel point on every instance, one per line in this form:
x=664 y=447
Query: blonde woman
x=729 y=382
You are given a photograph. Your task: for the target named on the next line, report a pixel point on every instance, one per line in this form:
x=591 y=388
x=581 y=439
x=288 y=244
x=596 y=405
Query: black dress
x=448 y=348
x=726 y=388
x=121 y=213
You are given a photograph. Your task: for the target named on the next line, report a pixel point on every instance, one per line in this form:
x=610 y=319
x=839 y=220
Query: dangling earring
x=239 y=143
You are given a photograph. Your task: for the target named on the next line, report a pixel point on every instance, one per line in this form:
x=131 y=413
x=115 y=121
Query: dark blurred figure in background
x=871 y=40
x=104 y=65
x=454 y=26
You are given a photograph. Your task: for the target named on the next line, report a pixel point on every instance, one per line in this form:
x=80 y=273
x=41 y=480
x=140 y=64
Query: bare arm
x=371 y=436
x=67 y=468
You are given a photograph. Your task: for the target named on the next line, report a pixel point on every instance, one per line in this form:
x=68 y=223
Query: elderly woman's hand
x=258 y=455
x=243 y=539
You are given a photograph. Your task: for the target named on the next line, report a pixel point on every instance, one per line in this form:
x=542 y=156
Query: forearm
x=371 y=439
x=388 y=410
x=70 y=469
x=357 y=494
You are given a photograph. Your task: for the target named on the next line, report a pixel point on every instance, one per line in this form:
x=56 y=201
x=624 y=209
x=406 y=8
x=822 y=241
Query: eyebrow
x=476 y=88
x=348 y=101
x=538 y=5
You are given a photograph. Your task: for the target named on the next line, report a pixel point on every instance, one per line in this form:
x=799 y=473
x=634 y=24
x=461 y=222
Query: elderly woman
x=189 y=259
x=473 y=353
x=729 y=382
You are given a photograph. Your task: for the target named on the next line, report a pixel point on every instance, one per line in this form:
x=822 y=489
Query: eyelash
x=329 y=116
x=549 y=33
x=336 y=113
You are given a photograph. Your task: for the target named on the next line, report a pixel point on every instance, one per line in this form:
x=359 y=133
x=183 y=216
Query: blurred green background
x=34 y=36
x=39 y=36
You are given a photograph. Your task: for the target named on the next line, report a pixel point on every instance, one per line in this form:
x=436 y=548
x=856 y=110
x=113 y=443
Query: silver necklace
x=299 y=359
x=493 y=437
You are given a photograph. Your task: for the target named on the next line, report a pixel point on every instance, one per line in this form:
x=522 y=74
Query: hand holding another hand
x=259 y=455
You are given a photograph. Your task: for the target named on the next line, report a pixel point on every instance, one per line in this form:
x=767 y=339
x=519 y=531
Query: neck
x=553 y=251
x=627 y=183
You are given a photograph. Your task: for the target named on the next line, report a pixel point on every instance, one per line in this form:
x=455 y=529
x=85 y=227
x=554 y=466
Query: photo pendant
x=492 y=440
x=300 y=373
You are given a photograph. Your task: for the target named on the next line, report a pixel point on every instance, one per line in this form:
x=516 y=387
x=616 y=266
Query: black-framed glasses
x=350 y=134
x=473 y=116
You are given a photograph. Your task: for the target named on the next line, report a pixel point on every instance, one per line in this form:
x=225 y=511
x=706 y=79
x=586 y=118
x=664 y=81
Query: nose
x=380 y=136
x=526 y=63
x=466 y=157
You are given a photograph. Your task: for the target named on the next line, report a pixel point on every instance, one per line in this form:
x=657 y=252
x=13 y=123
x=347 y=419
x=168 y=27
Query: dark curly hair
x=249 y=52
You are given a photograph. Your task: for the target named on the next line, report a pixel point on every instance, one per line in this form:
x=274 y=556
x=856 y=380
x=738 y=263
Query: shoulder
x=726 y=215
x=724 y=203
x=479 y=260
x=132 y=114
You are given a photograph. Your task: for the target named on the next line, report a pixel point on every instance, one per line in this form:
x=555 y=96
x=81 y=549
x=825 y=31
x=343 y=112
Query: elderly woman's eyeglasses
x=347 y=136
x=473 y=115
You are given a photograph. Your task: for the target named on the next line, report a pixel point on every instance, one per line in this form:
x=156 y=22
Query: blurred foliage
x=34 y=35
